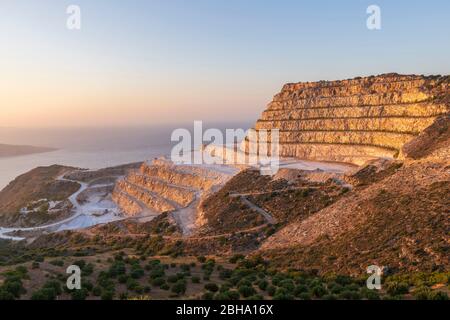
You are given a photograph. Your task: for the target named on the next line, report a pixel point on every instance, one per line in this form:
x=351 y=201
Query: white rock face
x=354 y=120
x=162 y=186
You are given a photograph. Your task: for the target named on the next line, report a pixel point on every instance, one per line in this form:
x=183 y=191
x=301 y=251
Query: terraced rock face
x=354 y=120
x=161 y=186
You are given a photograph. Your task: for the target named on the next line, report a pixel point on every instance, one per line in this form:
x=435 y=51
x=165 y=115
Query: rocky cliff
x=354 y=120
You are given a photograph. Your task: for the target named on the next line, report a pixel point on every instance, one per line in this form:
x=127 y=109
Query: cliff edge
x=355 y=120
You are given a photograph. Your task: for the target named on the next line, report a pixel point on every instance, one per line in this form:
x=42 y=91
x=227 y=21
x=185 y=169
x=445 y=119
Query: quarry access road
x=247 y=194
x=269 y=218
x=264 y=213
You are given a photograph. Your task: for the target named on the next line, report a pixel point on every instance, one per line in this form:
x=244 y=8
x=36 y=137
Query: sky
x=139 y=62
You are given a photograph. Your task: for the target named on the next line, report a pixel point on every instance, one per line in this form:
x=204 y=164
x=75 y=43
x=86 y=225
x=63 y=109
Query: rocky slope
x=354 y=120
x=396 y=216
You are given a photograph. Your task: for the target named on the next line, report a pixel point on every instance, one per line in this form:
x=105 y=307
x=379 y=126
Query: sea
x=91 y=148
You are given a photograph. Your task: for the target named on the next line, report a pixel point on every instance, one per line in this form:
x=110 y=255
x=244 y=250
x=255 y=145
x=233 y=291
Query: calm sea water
x=91 y=148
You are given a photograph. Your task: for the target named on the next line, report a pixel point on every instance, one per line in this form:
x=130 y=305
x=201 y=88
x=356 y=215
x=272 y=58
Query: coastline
x=10 y=151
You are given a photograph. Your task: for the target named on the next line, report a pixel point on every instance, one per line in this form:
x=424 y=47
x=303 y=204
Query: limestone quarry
x=161 y=186
x=324 y=127
x=363 y=178
x=354 y=120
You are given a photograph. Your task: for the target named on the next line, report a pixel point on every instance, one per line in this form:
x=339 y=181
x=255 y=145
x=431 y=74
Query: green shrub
x=225 y=287
x=233 y=295
x=343 y=280
x=335 y=288
x=304 y=296
x=123 y=296
x=370 y=294
x=122 y=278
x=97 y=291
x=137 y=272
x=352 y=287
x=80 y=263
x=116 y=269
x=13 y=285
x=44 y=294
x=349 y=295
x=58 y=263
x=300 y=289
x=287 y=284
x=88 y=269
x=211 y=287
x=86 y=284
x=157 y=273
x=283 y=294
x=157 y=282
x=439 y=295
x=246 y=291
x=208 y=296
x=105 y=282
x=195 y=279
x=271 y=290
x=55 y=285
x=422 y=293
x=79 y=294
x=5 y=295
x=397 y=288
x=165 y=286
x=318 y=291
x=235 y=258
x=179 y=287
x=255 y=297
x=22 y=271
x=132 y=284
x=185 y=267
x=223 y=295
x=262 y=284
x=225 y=274
x=107 y=295
x=276 y=280
x=245 y=282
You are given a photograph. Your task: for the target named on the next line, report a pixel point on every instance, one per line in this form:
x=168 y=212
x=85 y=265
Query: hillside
x=28 y=189
x=311 y=229
x=400 y=221
x=394 y=211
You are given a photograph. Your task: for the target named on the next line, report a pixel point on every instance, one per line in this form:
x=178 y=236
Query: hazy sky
x=140 y=62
